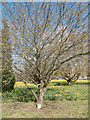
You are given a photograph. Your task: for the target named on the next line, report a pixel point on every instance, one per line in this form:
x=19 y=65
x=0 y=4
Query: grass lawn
x=52 y=109
x=59 y=102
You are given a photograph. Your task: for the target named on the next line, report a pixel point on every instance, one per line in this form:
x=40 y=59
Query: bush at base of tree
x=8 y=81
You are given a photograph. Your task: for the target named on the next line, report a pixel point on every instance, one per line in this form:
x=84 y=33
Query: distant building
x=83 y=77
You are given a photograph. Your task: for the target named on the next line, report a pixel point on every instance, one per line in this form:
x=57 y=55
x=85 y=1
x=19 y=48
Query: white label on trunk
x=39 y=105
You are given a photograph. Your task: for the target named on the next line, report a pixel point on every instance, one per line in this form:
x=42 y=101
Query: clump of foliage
x=8 y=81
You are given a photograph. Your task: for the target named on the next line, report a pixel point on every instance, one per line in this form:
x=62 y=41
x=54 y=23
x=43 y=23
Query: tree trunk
x=40 y=97
x=69 y=83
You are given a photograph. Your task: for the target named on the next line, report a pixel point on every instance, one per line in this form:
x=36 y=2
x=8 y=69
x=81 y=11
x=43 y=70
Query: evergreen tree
x=8 y=78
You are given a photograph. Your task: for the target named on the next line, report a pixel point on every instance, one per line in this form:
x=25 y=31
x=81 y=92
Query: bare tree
x=42 y=35
x=76 y=65
x=70 y=77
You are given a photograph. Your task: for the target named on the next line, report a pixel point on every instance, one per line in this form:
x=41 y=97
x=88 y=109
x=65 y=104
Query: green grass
x=74 y=92
x=60 y=102
x=66 y=84
x=52 y=109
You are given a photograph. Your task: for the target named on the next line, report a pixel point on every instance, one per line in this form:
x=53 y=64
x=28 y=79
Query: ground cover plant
x=54 y=99
x=54 y=92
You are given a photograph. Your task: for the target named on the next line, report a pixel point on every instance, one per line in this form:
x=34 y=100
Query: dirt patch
x=52 y=105
x=50 y=109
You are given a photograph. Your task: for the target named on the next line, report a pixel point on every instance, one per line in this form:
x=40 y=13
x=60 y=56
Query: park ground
x=52 y=109
x=71 y=102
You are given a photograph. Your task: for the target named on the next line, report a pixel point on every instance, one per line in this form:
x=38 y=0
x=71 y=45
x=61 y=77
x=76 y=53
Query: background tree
x=69 y=72
x=8 y=78
x=41 y=35
x=69 y=77
x=78 y=65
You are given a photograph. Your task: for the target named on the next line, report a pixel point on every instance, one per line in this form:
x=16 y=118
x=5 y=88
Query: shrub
x=8 y=81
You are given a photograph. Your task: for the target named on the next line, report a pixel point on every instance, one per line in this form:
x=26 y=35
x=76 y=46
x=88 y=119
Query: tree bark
x=41 y=94
x=69 y=83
